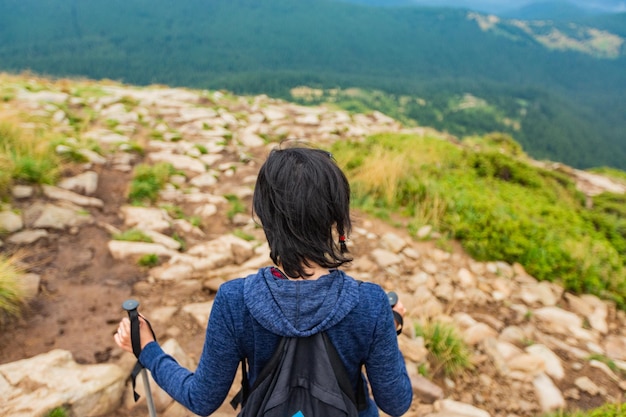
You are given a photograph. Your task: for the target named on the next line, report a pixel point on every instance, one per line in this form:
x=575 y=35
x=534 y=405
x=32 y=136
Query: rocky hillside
x=533 y=347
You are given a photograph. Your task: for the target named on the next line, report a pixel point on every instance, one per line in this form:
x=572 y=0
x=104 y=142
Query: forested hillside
x=447 y=70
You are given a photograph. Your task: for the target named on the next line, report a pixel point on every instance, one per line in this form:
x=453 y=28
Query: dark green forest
x=564 y=106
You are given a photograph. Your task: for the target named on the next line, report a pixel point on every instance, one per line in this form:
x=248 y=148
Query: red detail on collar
x=277 y=273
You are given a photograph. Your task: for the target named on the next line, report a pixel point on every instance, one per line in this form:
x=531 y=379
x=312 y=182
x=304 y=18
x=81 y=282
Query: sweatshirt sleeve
x=386 y=369
x=204 y=390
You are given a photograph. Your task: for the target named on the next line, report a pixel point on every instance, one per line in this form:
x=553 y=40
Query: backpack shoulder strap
x=244 y=392
x=359 y=398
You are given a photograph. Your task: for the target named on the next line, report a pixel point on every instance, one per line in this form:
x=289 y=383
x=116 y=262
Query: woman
x=302 y=201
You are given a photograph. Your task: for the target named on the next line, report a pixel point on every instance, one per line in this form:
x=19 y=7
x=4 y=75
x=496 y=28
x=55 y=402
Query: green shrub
x=446 y=348
x=147 y=181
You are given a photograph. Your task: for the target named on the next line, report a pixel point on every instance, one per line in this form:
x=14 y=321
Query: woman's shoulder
x=236 y=286
x=370 y=293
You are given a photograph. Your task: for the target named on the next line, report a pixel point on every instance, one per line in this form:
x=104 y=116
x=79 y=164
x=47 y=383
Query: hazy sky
x=502 y=5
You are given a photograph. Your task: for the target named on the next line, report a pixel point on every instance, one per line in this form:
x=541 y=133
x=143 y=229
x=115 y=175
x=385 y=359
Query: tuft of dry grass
x=12 y=294
x=381 y=174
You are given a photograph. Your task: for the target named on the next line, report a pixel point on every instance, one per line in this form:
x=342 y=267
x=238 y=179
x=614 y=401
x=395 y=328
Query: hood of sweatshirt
x=299 y=308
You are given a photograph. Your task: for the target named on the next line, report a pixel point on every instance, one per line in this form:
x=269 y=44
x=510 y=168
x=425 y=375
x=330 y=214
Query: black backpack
x=304 y=378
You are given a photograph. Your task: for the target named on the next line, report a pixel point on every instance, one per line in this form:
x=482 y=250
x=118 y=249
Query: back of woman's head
x=302 y=200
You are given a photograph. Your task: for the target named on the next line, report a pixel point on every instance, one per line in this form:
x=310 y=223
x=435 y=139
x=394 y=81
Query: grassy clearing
x=498 y=205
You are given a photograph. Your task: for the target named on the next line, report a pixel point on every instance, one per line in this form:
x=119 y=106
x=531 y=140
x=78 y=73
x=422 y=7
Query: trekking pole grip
x=393 y=300
x=135 y=339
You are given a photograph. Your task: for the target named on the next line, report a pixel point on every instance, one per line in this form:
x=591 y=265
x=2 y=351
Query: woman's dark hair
x=301 y=197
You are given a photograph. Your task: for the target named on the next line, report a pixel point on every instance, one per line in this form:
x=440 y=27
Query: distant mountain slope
x=563 y=104
x=545 y=10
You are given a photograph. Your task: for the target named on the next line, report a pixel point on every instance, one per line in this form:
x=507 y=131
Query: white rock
x=172 y=272
x=463 y=409
x=558 y=319
x=57 y=193
x=477 y=333
x=34 y=386
x=587 y=385
x=27 y=237
x=393 y=242
x=550 y=397
x=122 y=250
x=208 y=179
x=199 y=311
x=85 y=183
x=465 y=278
x=385 y=258
x=181 y=162
x=553 y=364
x=22 y=191
x=10 y=222
x=146 y=218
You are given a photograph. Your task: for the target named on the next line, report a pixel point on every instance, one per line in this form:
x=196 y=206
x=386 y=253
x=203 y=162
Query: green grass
x=11 y=290
x=148 y=260
x=133 y=235
x=500 y=207
x=446 y=348
x=243 y=235
x=236 y=206
x=606 y=410
x=147 y=181
x=58 y=412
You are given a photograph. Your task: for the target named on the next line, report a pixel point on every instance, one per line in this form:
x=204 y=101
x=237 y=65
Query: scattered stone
x=425 y=391
x=34 y=386
x=200 y=312
x=10 y=222
x=57 y=193
x=550 y=397
x=27 y=237
x=553 y=364
x=585 y=384
x=30 y=285
x=85 y=183
x=22 y=191
x=121 y=250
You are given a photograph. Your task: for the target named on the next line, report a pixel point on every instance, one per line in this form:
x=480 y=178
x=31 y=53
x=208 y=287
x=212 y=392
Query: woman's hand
x=122 y=336
x=399 y=308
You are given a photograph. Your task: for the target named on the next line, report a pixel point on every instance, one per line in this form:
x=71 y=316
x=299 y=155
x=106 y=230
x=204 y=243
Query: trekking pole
x=131 y=307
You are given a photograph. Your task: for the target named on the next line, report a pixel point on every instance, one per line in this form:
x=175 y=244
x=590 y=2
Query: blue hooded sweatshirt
x=249 y=316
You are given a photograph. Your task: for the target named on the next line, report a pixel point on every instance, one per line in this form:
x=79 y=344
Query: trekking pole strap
x=399 y=321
